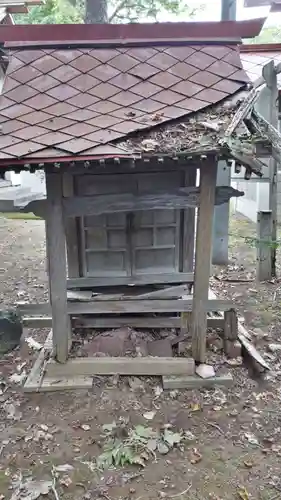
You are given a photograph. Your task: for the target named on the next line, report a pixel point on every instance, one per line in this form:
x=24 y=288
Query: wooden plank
x=34 y=379
x=55 y=241
x=37 y=322
x=194 y=382
x=230 y=330
x=71 y=231
x=128 y=307
x=208 y=175
x=119 y=321
x=231 y=325
x=264 y=244
x=122 y=366
x=146 y=279
x=128 y=202
x=188 y=227
x=51 y=384
x=251 y=349
x=172 y=291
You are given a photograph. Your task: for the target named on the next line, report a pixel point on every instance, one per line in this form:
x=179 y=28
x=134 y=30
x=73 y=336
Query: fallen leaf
x=64 y=468
x=31 y=490
x=149 y=415
x=33 y=344
x=162 y=448
x=196 y=456
x=189 y=436
x=158 y=391
x=44 y=428
x=151 y=444
x=251 y=438
x=172 y=438
x=65 y=481
x=243 y=493
x=195 y=407
x=18 y=378
x=235 y=361
x=248 y=464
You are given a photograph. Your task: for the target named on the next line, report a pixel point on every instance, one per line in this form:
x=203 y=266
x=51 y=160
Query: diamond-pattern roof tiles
x=70 y=101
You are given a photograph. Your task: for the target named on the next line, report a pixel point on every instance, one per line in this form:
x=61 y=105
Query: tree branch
x=117 y=9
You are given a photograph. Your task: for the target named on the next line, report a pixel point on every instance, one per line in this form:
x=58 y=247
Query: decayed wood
x=97 y=205
x=242 y=112
x=251 y=349
x=37 y=322
x=194 y=382
x=71 y=231
x=98 y=322
x=34 y=379
x=121 y=366
x=176 y=199
x=172 y=291
x=208 y=176
x=146 y=279
x=231 y=325
x=267 y=130
x=230 y=329
x=189 y=227
x=128 y=307
x=264 y=245
x=55 y=241
x=52 y=384
x=244 y=158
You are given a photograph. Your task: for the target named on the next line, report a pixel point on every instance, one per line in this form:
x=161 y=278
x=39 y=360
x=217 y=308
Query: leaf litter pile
x=125 y=445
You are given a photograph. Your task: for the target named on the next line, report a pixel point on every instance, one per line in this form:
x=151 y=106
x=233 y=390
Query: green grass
x=19 y=215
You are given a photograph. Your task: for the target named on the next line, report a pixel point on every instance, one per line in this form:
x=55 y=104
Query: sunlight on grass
x=18 y=215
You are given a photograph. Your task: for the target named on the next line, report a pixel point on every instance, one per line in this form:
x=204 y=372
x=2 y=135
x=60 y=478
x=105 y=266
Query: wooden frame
x=208 y=175
x=123 y=300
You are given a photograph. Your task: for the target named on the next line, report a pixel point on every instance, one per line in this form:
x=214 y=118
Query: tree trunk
x=96 y=12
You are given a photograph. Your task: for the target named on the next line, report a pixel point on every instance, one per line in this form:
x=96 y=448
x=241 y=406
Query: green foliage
x=270 y=34
x=135 y=446
x=52 y=12
x=72 y=11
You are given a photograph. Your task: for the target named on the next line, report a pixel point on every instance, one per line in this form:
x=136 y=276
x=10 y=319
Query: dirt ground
x=237 y=431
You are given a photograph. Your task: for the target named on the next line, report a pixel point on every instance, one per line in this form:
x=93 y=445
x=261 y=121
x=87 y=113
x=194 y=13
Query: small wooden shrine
x=129 y=128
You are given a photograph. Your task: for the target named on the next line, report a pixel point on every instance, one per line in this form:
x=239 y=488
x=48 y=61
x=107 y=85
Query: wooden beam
x=100 y=322
x=79 y=206
x=264 y=245
x=146 y=279
x=56 y=252
x=71 y=230
x=208 y=175
x=122 y=366
x=189 y=227
x=177 y=199
x=133 y=306
x=195 y=382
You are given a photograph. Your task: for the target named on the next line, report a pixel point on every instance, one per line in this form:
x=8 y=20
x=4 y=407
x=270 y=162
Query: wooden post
x=71 y=228
x=264 y=245
x=56 y=254
x=189 y=226
x=221 y=217
x=208 y=175
x=230 y=330
x=267 y=107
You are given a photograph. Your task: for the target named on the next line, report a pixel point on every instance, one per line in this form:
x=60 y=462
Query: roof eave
x=122 y=33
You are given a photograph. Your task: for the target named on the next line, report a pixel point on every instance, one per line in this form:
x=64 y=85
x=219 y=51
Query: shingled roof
x=67 y=102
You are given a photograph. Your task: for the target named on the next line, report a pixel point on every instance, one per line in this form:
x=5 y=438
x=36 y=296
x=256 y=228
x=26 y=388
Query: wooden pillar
x=208 y=174
x=264 y=245
x=189 y=226
x=71 y=230
x=56 y=254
